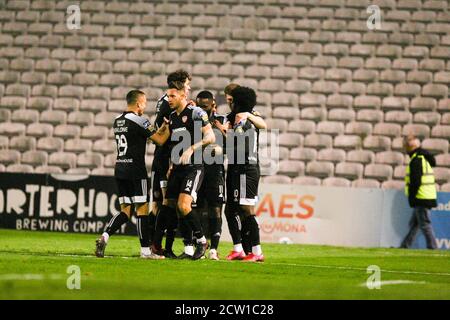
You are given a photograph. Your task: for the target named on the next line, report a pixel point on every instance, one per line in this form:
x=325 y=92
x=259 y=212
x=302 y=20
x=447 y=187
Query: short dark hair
x=133 y=96
x=244 y=99
x=229 y=88
x=178 y=76
x=176 y=85
x=205 y=94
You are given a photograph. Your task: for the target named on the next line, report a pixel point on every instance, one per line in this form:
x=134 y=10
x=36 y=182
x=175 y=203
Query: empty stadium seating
x=341 y=96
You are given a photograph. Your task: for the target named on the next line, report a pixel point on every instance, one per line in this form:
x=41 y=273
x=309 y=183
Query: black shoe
x=185 y=256
x=200 y=250
x=169 y=254
x=100 y=246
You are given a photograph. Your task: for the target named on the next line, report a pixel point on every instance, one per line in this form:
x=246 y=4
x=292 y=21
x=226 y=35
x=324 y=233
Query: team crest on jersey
x=184 y=119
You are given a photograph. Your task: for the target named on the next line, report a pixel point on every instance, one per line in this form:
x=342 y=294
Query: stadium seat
x=77 y=145
x=349 y=170
x=336 y=182
x=320 y=169
x=64 y=160
x=12 y=129
x=89 y=160
x=399 y=172
x=302 y=126
x=419 y=130
x=360 y=156
x=400 y=117
x=25 y=116
x=50 y=144
x=362 y=129
x=290 y=140
x=19 y=168
x=280 y=179
x=66 y=131
x=48 y=169
x=291 y=168
x=436 y=146
x=331 y=155
x=102 y=172
x=366 y=183
x=307 y=181
x=9 y=157
x=318 y=141
x=347 y=142
x=303 y=154
x=34 y=158
x=393 y=184
x=315 y=114
x=441 y=131
x=442 y=175
x=391 y=130
x=22 y=143
x=389 y=157
x=332 y=128
x=378 y=172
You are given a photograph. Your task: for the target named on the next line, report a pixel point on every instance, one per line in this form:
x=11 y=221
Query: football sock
x=257 y=250
x=145 y=251
x=143 y=229
x=246 y=243
x=189 y=250
x=234 y=226
x=238 y=247
x=186 y=232
x=152 y=222
x=254 y=230
x=116 y=222
x=105 y=237
x=215 y=226
x=195 y=225
x=172 y=225
x=161 y=225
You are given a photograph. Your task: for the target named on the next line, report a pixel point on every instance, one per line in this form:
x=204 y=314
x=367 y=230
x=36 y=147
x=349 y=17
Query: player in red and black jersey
x=132 y=131
x=160 y=168
x=212 y=191
x=189 y=131
x=243 y=175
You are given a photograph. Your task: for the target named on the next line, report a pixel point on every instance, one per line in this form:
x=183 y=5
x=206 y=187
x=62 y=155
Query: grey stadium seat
x=320 y=169
x=34 y=158
x=307 y=181
x=349 y=170
x=336 y=182
x=291 y=168
x=64 y=160
x=19 y=168
x=366 y=183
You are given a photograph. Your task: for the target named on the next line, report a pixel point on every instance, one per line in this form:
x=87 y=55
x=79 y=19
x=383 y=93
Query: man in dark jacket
x=420 y=189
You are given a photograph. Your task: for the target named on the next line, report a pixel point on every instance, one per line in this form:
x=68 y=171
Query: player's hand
x=192 y=102
x=164 y=126
x=240 y=117
x=186 y=156
x=223 y=128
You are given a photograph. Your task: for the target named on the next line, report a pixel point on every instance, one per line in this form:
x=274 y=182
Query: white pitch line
x=30 y=276
x=360 y=269
x=391 y=282
x=271 y=263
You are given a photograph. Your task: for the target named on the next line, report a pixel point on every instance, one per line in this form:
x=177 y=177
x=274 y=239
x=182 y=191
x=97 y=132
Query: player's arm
x=161 y=135
x=257 y=120
x=208 y=136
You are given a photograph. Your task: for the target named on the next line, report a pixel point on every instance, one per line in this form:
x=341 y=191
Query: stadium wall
x=360 y=217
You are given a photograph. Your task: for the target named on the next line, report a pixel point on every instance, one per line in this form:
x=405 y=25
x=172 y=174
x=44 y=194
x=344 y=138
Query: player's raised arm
x=162 y=134
x=257 y=120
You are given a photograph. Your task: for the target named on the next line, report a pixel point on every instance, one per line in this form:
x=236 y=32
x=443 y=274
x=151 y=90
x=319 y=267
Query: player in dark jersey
x=243 y=175
x=212 y=191
x=132 y=132
x=167 y=221
x=190 y=131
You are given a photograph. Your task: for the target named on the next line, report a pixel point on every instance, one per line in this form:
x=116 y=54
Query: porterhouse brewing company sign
x=58 y=203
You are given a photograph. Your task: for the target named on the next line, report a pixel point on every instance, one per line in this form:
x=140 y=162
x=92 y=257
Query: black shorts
x=242 y=185
x=132 y=191
x=185 y=179
x=212 y=191
x=159 y=177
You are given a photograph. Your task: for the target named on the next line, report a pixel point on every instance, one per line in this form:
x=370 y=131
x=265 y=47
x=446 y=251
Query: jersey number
x=122 y=144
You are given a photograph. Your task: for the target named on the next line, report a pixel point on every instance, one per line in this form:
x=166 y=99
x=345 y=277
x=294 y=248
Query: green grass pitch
x=33 y=265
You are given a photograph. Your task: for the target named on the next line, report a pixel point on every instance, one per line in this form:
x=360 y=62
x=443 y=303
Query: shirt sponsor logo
x=184 y=119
